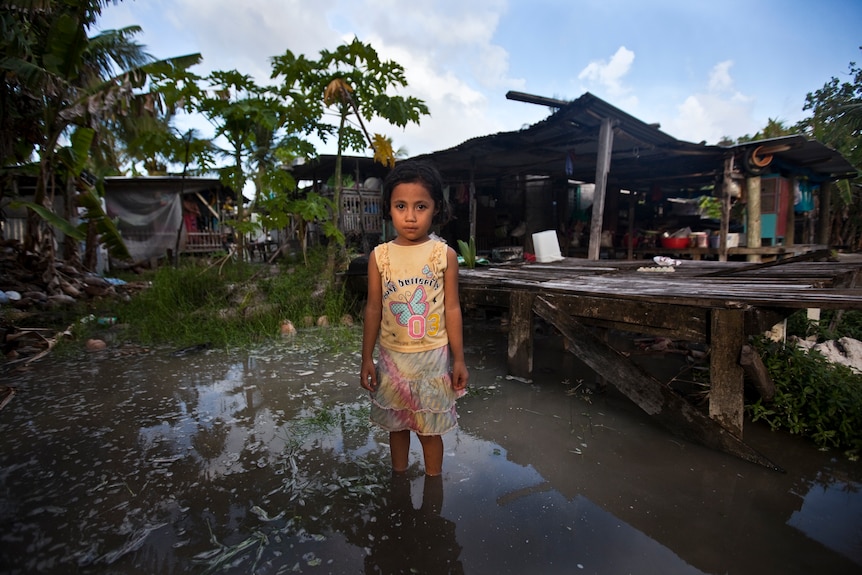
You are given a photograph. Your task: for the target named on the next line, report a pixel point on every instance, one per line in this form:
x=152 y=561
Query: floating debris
x=6 y=395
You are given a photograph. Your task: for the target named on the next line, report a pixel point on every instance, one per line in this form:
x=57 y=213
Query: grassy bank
x=235 y=305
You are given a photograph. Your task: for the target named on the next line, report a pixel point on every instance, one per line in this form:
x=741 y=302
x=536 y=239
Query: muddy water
x=263 y=462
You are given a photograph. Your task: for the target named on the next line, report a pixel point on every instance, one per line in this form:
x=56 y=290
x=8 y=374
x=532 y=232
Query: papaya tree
x=249 y=120
x=352 y=85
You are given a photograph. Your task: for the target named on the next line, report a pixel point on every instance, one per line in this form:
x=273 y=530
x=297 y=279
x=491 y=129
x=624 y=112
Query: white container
x=699 y=240
x=547 y=247
x=732 y=240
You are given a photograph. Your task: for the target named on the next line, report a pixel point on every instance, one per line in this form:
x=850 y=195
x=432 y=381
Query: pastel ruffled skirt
x=415 y=392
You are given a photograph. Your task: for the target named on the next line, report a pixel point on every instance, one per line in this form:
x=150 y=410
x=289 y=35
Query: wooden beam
x=656 y=399
x=209 y=207
x=479 y=297
x=689 y=323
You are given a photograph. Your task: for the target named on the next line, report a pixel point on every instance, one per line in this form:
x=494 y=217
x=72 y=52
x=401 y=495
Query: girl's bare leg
x=432 y=449
x=399 y=448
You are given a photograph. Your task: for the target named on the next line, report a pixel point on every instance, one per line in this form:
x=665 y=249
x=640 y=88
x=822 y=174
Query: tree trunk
x=71 y=249
x=240 y=209
x=335 y=253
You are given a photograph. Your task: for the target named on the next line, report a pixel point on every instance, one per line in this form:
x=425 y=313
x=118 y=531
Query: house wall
x=775 y=201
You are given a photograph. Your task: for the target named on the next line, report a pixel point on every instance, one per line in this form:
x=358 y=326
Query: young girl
x=413 y=308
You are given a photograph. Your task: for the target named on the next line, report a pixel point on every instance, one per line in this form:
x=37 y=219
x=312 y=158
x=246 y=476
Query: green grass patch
x=237 y=304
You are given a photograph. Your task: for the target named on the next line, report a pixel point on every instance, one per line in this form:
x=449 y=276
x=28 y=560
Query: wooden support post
x=603 y=165
x=727 y=193
x=472 y=199
x=824 y=213
x=726 y=401
x=661 y=402
x=630 y=232
x=753 y=217
x=520 y=353
x=790 y=220
x=604 y=337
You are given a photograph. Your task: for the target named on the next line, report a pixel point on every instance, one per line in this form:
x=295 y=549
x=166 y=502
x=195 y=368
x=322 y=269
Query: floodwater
x=263 y=462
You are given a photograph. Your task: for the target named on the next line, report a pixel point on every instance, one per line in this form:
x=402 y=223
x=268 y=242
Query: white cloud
x=721 y=111
x=445 y=46
x=607 y=75
x=245 y=35
x=457 y=110
x=450 y=59
x=719 y=77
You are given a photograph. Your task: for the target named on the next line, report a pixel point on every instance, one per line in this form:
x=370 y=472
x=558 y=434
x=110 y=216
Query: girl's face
x=412 y=210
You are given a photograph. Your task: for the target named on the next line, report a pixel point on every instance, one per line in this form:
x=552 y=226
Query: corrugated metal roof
x=565 y=145
x=802 y=157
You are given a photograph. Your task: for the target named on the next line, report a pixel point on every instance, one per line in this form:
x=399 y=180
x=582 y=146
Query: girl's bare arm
x=371 y=325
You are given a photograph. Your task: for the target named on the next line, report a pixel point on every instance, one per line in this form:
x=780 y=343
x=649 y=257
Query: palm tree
x=57 y=78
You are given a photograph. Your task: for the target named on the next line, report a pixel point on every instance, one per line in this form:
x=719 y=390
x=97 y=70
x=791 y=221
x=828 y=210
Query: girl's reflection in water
x=411 y=540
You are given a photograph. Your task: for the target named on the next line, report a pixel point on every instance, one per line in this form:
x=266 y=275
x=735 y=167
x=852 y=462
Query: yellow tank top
x=413 y=312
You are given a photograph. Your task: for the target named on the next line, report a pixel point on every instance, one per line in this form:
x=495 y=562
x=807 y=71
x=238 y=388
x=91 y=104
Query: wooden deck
x=719 y=304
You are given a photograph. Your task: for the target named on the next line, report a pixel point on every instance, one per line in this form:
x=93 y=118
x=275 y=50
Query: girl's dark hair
x=417 y=172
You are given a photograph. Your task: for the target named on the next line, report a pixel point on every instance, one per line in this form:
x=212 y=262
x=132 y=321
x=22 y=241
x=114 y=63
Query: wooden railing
x=204 y=242
x=361 y=212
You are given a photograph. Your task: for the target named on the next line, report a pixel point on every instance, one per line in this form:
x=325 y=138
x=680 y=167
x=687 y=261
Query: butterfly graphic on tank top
x=411 y=312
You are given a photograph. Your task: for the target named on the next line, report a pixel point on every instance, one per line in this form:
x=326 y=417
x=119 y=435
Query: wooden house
x=509 y=185
x=361 y=219
x=157 y=215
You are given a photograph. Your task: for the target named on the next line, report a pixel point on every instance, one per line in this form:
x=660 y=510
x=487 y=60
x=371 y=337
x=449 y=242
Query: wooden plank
x=656 y=399
x=810 y=256
x=520 y=352
x=483 y=297
x=726 y=399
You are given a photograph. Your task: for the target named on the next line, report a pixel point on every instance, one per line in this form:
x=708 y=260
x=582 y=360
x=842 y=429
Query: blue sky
x=702 y=69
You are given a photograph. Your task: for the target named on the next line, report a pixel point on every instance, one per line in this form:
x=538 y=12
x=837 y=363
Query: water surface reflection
x=264 y=462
